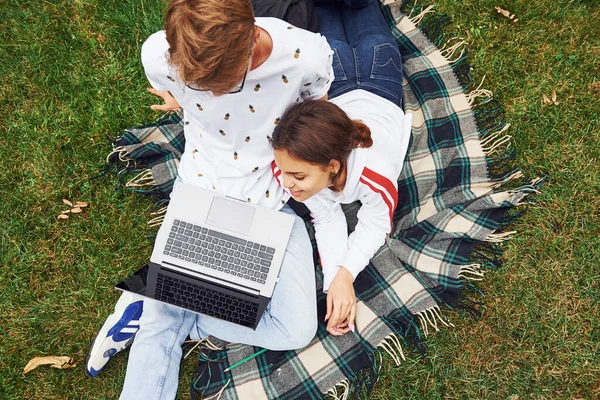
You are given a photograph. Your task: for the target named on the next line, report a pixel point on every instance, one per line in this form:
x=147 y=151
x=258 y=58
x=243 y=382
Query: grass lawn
x=71 y=75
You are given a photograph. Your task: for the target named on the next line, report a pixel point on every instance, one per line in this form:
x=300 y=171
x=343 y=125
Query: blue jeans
x=289 y=322
x=366 y=55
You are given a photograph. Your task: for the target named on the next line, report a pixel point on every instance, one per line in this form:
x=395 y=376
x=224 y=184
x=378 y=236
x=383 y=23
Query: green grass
x=70 y=75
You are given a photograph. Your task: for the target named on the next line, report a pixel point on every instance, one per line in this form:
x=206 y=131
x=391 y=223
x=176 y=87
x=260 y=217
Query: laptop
x=215 y=255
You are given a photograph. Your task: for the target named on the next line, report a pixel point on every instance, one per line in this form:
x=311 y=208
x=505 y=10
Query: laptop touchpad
x=231 y=215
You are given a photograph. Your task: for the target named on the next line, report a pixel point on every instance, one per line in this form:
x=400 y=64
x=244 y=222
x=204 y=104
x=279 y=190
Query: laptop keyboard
x=206 y=301
x=219 y=251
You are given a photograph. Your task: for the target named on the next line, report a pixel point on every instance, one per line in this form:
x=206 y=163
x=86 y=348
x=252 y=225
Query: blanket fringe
x=448 y=51
x=478 y=92
x=471 y=272
x=500 y=237
x=494 y=141
x=433 y=315
x=121 y=151
x=391 y=344
x=511 y=176
x=218 y=395
x=419 y=17
x=344 y=386
x=143 y=179
x=205 y=343
x=531 y=187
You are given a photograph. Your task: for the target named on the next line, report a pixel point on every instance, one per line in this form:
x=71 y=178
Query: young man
x=233 y=76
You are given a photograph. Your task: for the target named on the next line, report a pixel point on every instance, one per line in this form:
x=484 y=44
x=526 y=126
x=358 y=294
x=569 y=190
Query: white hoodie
x=372 y=175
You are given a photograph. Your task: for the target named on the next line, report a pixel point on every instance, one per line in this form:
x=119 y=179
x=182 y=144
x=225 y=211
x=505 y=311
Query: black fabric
x=300 y=13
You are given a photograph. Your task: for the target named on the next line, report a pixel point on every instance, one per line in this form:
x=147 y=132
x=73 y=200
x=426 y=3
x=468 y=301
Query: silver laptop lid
x=250 y=224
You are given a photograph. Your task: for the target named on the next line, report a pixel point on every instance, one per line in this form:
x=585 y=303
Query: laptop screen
x=231 y=215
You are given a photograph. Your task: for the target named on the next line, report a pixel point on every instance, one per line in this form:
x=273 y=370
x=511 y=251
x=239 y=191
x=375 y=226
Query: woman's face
x=303 y=179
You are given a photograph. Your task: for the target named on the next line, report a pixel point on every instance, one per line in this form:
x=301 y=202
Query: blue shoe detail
x=133 y=312
x=109 y=353
x=118 y=337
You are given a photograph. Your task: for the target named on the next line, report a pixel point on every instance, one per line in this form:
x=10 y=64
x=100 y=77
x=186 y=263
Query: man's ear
x=334 y=166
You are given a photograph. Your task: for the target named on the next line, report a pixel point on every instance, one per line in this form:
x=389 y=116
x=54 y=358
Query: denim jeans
x=289 y=322
x=366 y=55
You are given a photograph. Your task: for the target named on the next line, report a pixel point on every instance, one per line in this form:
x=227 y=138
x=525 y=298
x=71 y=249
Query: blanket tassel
x=419 y=17
x=121 y=151
x=392 y=345
x=495 y=141
x=487 y=95
x=431 y=317
x=143 y=179
x=218 y=395
x=451 y=50
x=344 y=386
x=471 y=272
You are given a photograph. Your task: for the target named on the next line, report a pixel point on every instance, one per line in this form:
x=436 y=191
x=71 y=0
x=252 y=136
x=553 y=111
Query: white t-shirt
x=372 y=178
x=228 y=137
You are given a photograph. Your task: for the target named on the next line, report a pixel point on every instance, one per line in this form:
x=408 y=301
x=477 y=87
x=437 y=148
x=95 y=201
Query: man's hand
x=341 y=304
x=170 y=103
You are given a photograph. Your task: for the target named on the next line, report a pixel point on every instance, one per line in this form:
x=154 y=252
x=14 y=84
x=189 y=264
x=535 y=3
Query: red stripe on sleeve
x=382 y=181
x=383 y=196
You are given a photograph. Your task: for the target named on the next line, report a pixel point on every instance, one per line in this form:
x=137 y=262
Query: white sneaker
x=116 y=334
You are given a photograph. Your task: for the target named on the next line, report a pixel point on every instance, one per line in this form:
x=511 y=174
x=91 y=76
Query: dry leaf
x=75 y=210
x=63 y=216
x=65 y=211
x=506 y=13
x=60 y=362
x=67 y=202
x=554 y=97
x=81 y=204
x=546 y=99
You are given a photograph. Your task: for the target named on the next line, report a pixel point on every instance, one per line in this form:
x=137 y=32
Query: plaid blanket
x=446 y=228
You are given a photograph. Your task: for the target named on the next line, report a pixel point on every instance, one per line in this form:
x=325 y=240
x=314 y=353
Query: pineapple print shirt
x=228 y=137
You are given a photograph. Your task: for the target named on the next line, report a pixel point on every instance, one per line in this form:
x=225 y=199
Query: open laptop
x=215 y=255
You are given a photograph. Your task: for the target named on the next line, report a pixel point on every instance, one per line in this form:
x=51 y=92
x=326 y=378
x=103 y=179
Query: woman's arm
x=379 y=197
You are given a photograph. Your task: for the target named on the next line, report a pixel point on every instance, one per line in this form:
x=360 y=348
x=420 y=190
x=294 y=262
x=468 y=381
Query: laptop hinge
x=213 y=280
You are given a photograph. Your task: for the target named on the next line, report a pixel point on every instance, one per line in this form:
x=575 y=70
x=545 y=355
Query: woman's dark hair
x=318 y=131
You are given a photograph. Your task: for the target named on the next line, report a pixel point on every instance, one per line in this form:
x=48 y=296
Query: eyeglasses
x=238 y=88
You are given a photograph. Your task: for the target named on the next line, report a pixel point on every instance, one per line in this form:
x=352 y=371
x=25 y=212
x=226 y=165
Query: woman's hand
x=170 y=103
x=341 y=304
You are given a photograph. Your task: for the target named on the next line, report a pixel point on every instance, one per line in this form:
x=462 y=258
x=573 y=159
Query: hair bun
x=362 y=137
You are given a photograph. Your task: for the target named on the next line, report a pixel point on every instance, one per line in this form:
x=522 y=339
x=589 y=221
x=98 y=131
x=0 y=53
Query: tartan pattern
x=447 y=205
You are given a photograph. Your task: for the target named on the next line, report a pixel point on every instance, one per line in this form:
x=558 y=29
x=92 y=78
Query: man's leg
x=116 y=333
x=332 y=27
x=378 y=60
x=155 y=355
x=290 y=319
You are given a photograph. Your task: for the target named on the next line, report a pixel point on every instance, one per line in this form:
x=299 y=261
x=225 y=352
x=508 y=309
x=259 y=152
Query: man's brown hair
x=210 y=41
x=317 y=132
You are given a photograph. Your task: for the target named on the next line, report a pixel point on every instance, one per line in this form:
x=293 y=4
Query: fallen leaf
x=81 y=204
x=60 y=362
x=63 y=216
x=554 y=97
x=546 y=99
x=65 y=211
x=67 y=202
x=75 y=210
x=506 y=13
x=503 y=12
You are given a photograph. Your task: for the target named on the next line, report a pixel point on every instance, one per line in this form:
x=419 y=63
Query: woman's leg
x=290 y=319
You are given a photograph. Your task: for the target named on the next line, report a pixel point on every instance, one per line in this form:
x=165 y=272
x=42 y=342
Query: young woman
x=351 y=148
